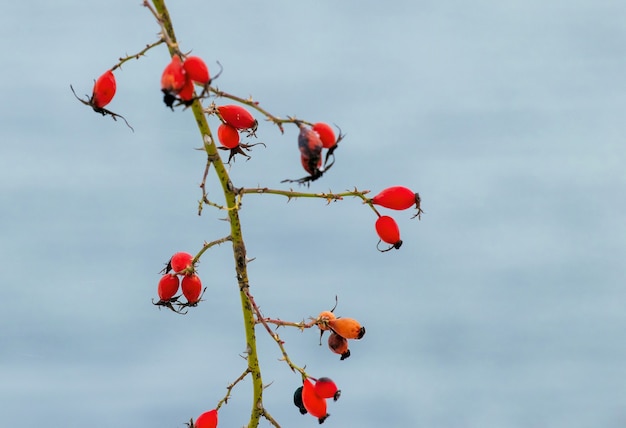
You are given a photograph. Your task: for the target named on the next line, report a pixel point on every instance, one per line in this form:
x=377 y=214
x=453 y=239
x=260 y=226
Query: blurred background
x=504 y=306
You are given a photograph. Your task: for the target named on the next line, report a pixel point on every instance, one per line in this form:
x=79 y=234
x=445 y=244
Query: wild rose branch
x=186 y=83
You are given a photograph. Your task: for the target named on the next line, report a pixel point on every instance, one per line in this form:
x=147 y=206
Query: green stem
x=239 y=249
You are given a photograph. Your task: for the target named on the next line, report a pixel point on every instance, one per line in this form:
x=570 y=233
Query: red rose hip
x=237 y=117
x=192 y=288
x=396 y=198
x=326 y=134
x=173 y=78
x=181 y=261
x=103 y=90
x=168 y=287
x=326 y=388
x=228 y=136
x=207 y=420
x=312 y=402
x=196 y=70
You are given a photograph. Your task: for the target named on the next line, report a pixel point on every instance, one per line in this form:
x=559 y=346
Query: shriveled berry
x=228 y=136
x=297 y=400
x=309 y=142
x=326 y=134
x=103 y=90
x=207 y=420
x=192 y=288
x=348 y=328
x=168 y=287
x=311 y=165
x=310 y=147
x=339 y=345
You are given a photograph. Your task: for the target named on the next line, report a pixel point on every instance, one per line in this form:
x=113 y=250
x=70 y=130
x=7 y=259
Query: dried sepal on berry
x=323 y=319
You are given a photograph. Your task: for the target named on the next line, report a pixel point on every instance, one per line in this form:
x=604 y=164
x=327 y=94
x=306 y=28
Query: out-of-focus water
x=504 y=306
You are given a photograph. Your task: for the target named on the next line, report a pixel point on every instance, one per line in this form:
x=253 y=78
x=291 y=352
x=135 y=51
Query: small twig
x=164 y=33
x=270 y=418
x=208 y=245
x=230 y=387
x=138 y=54
x=274 y=335
x=330 y=197
x=280 y=323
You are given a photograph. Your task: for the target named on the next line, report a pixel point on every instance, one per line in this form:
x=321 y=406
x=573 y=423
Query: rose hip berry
x=326 y=388
x=313 y=403
x=181 y=261
x=398 y=198
x=186 y=93
x=168 y=287
x=173 y=78
x=103 y=90
x=228 y=136
x=207 y=420
x=339 y=345
x=388 y=231
x=192 y=288
x=237 y=117
x=347 y=327
x=196 y=70
x=326 y=134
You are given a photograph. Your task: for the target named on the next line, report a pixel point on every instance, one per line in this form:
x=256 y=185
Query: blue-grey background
x=504 y=307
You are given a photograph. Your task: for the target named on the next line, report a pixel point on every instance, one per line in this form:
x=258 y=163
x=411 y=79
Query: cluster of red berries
x=180 y=265
x=311 y=397
x=341 y=329
x=395 y=198
x=177 y=84
x=178 y=78
x=235 y=119
x=205 y=420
